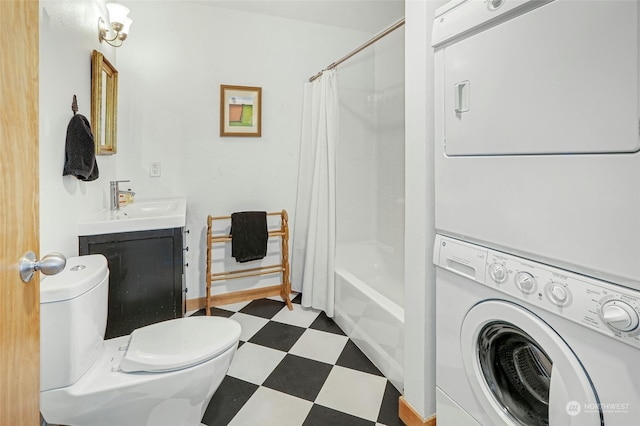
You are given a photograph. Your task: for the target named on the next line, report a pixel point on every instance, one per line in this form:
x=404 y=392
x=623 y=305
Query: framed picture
x=240 y=111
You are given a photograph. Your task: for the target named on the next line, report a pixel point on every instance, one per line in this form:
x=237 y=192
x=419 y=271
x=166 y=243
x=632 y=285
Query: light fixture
x=120 y=24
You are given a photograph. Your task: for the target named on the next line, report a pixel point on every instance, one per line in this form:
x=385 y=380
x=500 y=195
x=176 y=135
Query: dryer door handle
x=462 y=96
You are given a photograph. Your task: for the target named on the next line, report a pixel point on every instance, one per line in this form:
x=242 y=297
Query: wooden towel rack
x=283 y=289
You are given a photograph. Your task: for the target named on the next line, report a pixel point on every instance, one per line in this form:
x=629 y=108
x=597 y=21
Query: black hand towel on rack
x=80 y=151
x=249 y=235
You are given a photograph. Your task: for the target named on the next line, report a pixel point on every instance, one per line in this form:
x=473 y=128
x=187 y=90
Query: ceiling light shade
x=120 y=24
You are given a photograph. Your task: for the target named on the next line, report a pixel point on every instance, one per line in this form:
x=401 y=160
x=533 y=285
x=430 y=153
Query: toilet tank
x=73 y=319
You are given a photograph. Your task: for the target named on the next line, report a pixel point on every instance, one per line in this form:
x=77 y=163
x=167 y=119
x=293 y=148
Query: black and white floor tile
x=297 y=368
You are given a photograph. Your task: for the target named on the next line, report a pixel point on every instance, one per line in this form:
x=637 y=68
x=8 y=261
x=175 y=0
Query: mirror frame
x=104 y=93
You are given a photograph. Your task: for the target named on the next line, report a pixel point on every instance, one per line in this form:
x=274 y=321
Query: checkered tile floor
x=297 y=368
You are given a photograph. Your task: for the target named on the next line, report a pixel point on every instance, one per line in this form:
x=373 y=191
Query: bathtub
x=369 y=291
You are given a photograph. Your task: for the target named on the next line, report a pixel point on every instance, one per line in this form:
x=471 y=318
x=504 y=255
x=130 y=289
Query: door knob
x=51 y=264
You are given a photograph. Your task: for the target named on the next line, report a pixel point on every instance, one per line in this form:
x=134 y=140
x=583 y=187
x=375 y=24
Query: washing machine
x=537 y=131
x=523 y=343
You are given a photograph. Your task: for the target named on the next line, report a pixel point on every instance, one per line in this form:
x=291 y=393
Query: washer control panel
x=610 y=309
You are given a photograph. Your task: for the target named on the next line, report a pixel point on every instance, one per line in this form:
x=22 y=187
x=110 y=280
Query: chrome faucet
x=114 y=194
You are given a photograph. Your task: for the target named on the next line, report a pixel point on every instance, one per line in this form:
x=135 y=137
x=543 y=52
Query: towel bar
x=283 y=289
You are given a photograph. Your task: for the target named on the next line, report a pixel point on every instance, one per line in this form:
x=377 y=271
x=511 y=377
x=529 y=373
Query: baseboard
x=196 y=304
x=410 y=417
x=201 y=302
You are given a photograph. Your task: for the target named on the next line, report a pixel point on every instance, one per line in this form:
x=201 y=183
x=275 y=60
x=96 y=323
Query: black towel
x=80 y=151
x=249 y=236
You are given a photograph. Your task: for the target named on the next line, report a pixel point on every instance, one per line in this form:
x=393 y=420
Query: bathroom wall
x=68 y=35
x=419 y=337
x=171 y=68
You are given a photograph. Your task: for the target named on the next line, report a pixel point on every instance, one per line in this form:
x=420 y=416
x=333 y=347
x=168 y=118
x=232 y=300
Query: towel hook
x=74 y=105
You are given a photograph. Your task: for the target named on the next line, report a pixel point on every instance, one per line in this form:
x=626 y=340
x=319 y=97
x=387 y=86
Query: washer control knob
x=620 y=315
x=525 y=282
x=498 y=272
x=558 y=294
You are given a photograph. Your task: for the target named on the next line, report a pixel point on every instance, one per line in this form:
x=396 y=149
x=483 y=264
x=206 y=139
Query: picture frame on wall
x=240 y=110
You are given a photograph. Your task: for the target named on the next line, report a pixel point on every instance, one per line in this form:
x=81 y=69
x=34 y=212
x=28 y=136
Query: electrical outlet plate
x=154 y=169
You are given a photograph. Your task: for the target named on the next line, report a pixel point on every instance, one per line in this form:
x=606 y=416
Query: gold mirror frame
x=104 y=103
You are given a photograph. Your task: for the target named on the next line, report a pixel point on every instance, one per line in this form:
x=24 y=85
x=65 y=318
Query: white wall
x=68 y=35
x=420 y=378
x=170 y=70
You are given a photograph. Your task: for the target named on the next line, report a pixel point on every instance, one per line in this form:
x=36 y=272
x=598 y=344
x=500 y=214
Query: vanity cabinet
x=145 y=276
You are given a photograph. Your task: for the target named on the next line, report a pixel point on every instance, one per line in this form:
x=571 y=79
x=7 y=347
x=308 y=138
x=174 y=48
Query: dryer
x=538 y=131
x=520 y=343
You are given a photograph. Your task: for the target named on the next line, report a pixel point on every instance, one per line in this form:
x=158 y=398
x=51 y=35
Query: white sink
x=150 y=208
x=142 y=215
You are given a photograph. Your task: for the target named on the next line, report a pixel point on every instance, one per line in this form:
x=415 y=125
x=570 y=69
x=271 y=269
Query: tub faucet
x=114 y=194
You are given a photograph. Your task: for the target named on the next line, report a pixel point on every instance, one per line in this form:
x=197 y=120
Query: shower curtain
x=313 y=248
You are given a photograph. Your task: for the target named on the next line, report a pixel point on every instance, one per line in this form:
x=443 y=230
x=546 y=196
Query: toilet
x=163 y=374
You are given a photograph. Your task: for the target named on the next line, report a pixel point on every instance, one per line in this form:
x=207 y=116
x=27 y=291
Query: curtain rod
x=359 y=49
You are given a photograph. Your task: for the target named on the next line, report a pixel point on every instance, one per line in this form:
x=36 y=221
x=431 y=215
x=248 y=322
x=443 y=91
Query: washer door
x=522 y=372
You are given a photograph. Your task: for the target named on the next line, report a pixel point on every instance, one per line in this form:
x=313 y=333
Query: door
x=19 y=302
x=571 y=88
x=522 y=372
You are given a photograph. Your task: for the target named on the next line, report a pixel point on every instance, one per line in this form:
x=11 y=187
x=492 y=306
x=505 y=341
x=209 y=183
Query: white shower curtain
x=314 y=233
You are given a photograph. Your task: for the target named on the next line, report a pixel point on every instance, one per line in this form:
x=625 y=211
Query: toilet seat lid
x=179 y=343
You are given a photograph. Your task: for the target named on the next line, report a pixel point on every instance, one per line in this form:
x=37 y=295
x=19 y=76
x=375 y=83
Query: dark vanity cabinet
x=145 y=276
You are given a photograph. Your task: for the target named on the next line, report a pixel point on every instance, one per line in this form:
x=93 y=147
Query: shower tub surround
x=370 y=204
x=369 y=293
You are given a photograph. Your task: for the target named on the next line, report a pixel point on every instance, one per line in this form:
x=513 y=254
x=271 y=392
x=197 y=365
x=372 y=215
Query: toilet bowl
x=161 y=374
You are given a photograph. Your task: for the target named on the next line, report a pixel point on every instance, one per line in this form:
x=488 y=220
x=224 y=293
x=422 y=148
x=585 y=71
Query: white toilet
x=163 y=374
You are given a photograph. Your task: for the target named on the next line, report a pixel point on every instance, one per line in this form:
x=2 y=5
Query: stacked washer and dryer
x=537 y=212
